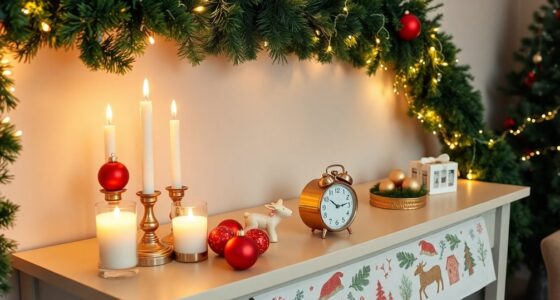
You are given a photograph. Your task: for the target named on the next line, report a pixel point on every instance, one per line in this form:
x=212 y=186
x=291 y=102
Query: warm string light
x=541 y=151
x=550 y=115
x=4 y=63
x=151 y=40
x=344 y=14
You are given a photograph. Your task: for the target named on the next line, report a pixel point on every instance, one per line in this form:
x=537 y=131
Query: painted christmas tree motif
x=350 y=296
x=427 y=248
x=390 y=296
x=478 y=228
x=405 y=288
x=442 y=246
x=469 y=261
x=406 y=259
x=453 y=241
x=429 y=277
x=360 y=280
x=380 y=294
x=482 y=252
x=332 y=286
x=299 y=295
x=452 y=268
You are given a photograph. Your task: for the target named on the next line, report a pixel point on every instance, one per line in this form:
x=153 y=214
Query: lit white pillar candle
x=110 y=144
x=175 y=146
x=189 y=233
x=116 y=234
x=148 y=144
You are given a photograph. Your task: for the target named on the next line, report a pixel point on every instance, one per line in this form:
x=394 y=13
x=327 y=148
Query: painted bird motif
x=427 y=248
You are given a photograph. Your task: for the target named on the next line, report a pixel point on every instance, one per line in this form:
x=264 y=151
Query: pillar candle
x=110 y=144
x=189 y=233
x=148 y=145
x=175 y=146
x=116 y=234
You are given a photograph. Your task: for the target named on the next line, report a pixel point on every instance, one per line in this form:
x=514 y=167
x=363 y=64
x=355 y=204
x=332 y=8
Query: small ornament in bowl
x=398 y=192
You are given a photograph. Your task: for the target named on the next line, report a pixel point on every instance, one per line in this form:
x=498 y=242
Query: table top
x=73 y=266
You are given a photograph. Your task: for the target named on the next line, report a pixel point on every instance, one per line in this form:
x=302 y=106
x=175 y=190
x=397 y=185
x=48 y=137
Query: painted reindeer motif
x=427 y=278
x=269 y=222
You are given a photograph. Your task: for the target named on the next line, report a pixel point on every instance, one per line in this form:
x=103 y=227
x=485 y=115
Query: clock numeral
x=331 y=192
x=347 y=212
x=330 y=221
x=347 y=197
x=336 y=222
x=324 y=206
x=344 y=191
x=337 y=190
x=326 y=199
x=343 y=219
x=325 y=215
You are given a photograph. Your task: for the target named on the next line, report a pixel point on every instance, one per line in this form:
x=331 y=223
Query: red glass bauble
x=231 y=224
x=509 y=123
x=241 y=252
x=218 y=238
x=113 y=176
x=557 y=14
x=411 y=27
x=260 y=238
x=530 y=78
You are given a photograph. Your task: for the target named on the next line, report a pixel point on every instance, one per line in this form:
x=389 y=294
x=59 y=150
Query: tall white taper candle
x=175 y=146
x=147 y=134
x=110 y=144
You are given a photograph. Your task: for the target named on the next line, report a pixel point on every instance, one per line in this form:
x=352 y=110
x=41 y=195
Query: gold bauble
x=397 y=176
x=386 y=185
x=411 y=183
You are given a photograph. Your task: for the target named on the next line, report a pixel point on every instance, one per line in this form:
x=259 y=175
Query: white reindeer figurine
x=269 y=222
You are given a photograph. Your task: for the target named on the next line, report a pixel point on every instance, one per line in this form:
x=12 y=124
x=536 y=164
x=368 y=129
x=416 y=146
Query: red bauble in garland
x=530 y=78
x=113 y=175
x=557 y=14
x=260 y=238
x=231 y=224
x=241 y=252
x=218 y=238
x=509 y=123
x=411 y=27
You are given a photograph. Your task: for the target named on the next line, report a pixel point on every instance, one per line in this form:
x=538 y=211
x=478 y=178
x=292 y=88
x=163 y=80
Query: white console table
x=299 y=254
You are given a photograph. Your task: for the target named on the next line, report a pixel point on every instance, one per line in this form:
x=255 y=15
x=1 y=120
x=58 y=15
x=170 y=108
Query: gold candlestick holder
x=151 y=252
x=176 y=195
x=113 y=197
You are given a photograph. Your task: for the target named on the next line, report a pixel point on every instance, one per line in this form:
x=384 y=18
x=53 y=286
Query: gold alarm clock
x=329 y=203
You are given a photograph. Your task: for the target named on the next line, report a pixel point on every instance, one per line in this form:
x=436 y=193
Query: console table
x=298 y=255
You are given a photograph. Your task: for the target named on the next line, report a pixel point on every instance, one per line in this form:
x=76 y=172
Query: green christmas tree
x=9 y=149
x=469 y=260
x=533 y=126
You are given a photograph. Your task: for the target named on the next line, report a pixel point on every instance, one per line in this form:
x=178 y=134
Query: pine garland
x=111 y=34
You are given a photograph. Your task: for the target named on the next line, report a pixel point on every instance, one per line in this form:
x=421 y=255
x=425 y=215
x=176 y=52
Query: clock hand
x=337 y=206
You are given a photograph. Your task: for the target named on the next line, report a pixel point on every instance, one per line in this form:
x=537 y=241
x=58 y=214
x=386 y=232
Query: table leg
x=496 y=290
x=28 y=287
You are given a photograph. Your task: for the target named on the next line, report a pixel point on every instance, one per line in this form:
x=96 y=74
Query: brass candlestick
x=151 y=252
x=176 y=195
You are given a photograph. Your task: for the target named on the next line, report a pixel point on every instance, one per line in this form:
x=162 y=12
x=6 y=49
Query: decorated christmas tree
x=533 y=125
x=469 y=261
x=9 y=148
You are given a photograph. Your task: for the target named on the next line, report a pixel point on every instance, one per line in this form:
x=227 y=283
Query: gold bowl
x=397 y=203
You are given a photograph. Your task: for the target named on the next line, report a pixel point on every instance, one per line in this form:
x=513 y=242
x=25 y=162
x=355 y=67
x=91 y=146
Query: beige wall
x=250 y=133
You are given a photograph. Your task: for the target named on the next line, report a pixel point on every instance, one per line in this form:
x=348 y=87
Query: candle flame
x=174 y=109
x=190 y=213
x=116 y=212
x=146 y=88
x=109 y=114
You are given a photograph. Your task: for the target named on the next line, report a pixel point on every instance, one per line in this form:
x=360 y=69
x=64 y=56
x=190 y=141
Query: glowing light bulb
x=265 y=43
x=6 y=120
x=45 y=27
x=329 y=48
x=151 y=40
x=25 y=11
x=7 y=72
x=199 y=9
x=18 y=133
x=345 y=9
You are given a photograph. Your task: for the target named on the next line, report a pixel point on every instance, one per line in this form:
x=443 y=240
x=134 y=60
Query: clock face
x=338 y=206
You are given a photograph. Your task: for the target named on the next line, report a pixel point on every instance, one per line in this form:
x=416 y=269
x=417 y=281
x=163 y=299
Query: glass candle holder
x=190 y=231
x=116 y=234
